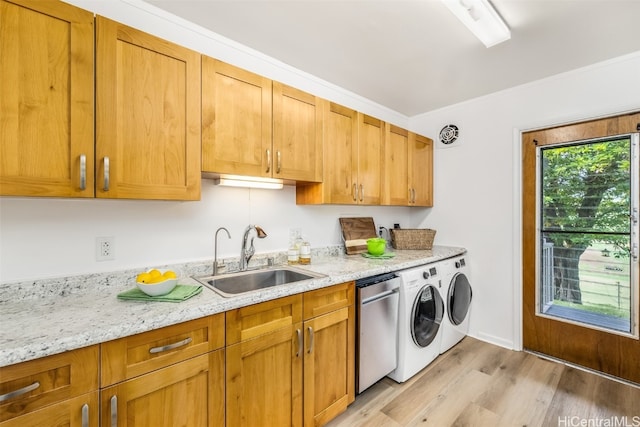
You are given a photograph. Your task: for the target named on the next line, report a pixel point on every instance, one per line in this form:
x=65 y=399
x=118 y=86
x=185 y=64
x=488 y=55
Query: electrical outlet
x=105 y=249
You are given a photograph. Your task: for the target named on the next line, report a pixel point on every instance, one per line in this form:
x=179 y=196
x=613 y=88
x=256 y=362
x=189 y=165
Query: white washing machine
x=457 y=294
x=420 y=313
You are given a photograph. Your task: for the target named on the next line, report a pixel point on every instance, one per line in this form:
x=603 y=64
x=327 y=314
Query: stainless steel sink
x=229 y=285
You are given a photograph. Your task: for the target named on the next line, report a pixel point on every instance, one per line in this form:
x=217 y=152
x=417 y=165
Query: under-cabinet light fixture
x=480 y=17
x=248 y=182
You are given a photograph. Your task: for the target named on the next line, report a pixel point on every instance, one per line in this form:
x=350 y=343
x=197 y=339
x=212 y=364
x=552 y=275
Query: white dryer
x=457 y=294
x=420 y=313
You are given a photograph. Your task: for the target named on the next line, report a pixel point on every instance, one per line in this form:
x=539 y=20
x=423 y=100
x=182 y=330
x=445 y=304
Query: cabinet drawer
x=326 y=300
x=258 y=319
x=135 y=355
x=52 y=379
x=79 y=411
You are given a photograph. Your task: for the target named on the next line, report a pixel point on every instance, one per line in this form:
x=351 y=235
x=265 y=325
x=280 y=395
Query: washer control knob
x=425 y=274
x=458 y=265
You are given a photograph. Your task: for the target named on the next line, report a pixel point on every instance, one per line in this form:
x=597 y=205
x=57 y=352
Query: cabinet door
x=264 y=380
x=328 y=366
x=81 y=411
x=421 y=170
x=46 y=64
x=236 y=120
x=147 y=116
x=189 y=393
x=396 y=183
x=371 y=132
x=38 y=383
x=297 y=134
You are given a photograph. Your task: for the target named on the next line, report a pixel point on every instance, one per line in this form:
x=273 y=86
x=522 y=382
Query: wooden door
x=396 y=168
x=46 y=64
x=328 y=366
x=189 y=393
x=420 y=170
x=147 y=116
x=236 y=120
x=593 y=348
x=264 y=380
x=80 y=411
x=297 y=134
x=371 y=135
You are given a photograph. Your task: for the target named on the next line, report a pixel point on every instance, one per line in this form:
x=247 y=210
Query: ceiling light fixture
x=480 y=17
x=248 y=182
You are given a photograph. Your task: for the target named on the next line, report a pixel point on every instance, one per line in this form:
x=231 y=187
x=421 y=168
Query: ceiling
x=415 y=56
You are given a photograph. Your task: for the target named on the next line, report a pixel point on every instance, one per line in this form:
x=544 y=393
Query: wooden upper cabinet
x=46 y=105
x=340 y=165
x=420 y=170
x=236 y=120
x=297 y=134
x=147 y=116
x=396 y=183
x=371 y=134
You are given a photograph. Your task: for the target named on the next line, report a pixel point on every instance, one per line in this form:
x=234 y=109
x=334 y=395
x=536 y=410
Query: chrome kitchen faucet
x=246 y=254
x=215 y=250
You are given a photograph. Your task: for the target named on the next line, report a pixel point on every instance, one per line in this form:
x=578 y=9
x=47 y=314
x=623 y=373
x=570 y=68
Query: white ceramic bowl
x=157 y=289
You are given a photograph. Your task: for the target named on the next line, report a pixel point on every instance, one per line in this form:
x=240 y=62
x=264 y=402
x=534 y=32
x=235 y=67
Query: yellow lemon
x=155 y=273
x=143 y=277
x=169 y=274
x=155 y=280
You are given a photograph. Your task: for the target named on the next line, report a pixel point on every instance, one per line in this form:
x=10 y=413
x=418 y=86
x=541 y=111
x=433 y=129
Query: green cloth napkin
x=385 y=255
x=178 y=294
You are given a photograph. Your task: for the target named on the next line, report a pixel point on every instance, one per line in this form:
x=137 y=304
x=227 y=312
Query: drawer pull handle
x=83 y=172
x=185 y=341
x=85 y=415
x=19 y=392
x=114 y=411
x=310 y=329
x=299 y=335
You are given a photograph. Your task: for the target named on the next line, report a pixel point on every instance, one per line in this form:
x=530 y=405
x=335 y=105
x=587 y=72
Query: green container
x=376 y=246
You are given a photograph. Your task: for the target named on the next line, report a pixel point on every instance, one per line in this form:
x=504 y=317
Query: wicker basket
x=407 y=238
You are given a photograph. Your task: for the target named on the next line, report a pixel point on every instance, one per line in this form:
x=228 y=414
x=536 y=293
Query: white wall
x=477 y=181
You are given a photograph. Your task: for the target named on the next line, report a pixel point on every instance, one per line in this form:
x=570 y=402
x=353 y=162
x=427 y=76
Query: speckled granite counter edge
x=82 y=311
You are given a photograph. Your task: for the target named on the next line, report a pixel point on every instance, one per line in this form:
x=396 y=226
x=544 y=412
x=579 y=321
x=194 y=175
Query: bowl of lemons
x=155 y=283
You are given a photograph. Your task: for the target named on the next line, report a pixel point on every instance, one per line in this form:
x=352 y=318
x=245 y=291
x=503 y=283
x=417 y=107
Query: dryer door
x=458 y=298
x=426 y=315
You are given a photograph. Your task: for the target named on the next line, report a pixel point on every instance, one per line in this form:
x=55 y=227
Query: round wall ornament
x=449 y=134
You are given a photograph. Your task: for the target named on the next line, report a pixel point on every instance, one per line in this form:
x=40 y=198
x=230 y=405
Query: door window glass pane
x=585 y=210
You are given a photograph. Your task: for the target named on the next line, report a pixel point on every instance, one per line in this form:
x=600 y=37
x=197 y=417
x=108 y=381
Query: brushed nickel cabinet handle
x=362 y=192
x=85 y=415
x=278 y=161
x=168 y=347
x=310 y=329
x=299 y=335
x=105 y=187
x=268 y=161
x=83 y=172
x=355 y=192
x=19 y=392
x=114 y=411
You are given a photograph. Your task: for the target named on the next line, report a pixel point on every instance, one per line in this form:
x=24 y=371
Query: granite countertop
x=86 y=311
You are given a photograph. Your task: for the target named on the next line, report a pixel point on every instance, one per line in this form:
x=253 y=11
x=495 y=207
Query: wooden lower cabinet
x=61 y=389
x=189 y=393
x=289 y=372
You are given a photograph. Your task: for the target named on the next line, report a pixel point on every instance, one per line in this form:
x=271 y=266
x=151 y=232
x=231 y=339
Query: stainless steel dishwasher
x=377 y=325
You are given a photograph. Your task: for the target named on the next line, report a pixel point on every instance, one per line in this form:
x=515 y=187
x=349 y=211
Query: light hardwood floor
x=478 y=384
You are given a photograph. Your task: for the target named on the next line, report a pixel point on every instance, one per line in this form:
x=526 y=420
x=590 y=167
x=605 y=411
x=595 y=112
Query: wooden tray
x=356 y=231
